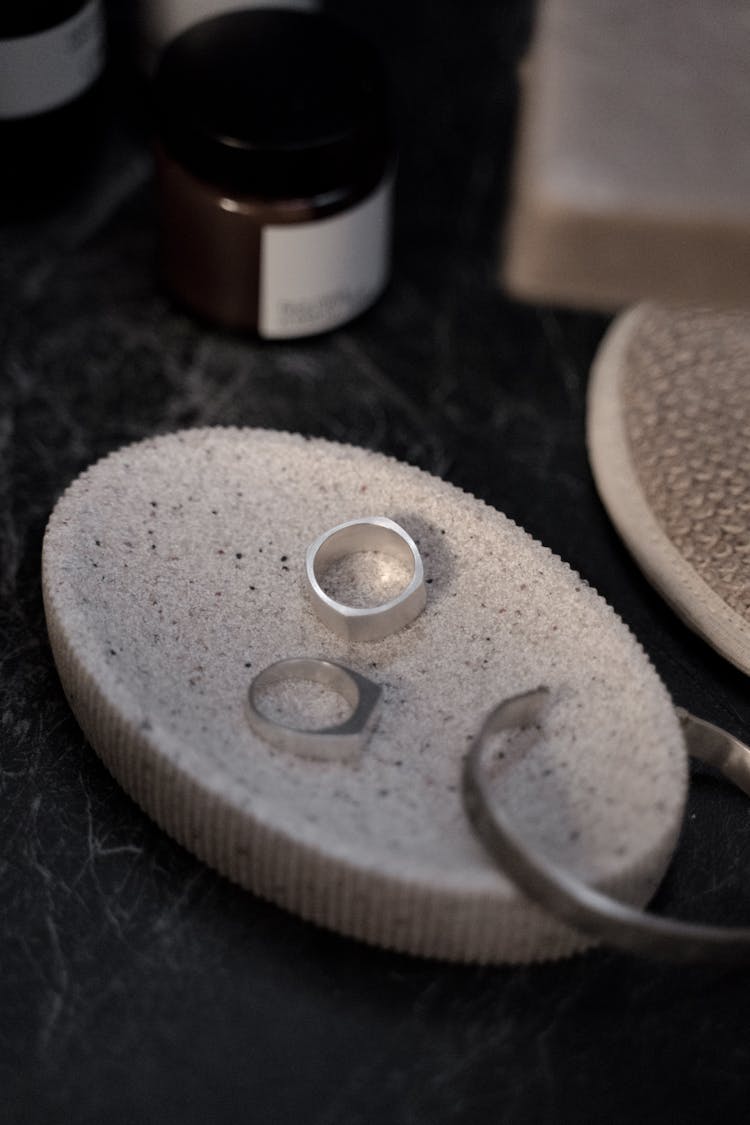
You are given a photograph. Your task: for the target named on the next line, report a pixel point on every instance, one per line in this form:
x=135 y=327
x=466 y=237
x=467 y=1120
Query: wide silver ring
x=567 y=897
x=341 y=741
x=371 y=623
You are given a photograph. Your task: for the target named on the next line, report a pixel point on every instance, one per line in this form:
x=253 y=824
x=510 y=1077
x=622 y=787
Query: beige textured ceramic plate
x=173 y=571
x=669 y=440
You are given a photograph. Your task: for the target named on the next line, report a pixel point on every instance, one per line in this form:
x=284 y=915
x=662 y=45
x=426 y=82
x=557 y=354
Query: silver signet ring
x=342 y=741
x=369 y=623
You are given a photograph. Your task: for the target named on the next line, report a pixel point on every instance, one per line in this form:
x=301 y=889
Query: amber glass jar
x=275 y=171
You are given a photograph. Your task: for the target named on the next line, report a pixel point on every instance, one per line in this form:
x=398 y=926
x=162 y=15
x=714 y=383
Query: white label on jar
x=43 y=71
x=316 y=275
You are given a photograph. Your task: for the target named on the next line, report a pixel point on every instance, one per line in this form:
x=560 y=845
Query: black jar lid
x=273 y=103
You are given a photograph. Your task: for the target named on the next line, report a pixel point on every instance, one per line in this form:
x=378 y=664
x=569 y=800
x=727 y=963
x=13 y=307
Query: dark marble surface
x=135 y=984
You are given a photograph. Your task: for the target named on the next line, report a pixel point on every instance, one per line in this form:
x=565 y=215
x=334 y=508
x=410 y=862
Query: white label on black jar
x=317 y=275
x=43 y=71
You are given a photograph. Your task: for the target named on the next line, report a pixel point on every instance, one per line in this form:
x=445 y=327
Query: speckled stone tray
x=172 y=572
x=669 y=439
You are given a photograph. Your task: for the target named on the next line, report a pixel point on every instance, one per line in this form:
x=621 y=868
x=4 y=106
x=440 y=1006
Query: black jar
x=275 y=171
x=52 y=55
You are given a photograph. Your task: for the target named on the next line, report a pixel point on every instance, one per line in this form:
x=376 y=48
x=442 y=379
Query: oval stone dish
x=173 y=573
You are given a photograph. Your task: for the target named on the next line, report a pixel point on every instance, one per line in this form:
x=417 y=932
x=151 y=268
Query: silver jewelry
x=372 y=623
x=341 y=741
x=567 y=897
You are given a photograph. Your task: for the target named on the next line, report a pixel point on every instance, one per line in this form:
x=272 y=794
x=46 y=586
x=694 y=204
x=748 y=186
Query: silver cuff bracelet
x=569 y=899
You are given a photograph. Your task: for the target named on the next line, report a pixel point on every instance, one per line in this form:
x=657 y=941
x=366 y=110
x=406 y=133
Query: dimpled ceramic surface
x=173 y=572
x=669 y=438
